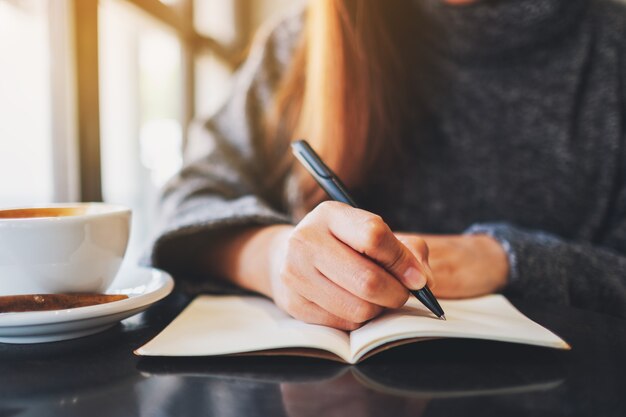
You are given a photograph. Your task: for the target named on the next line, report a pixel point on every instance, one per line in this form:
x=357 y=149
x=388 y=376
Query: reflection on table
x=99 y=376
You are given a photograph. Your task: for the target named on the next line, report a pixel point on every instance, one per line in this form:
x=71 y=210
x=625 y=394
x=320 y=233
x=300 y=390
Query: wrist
x=497 y=258
x=251 y=257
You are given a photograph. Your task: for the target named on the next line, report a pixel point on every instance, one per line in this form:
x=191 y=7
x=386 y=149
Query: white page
x=490 y=317
x=221 y=325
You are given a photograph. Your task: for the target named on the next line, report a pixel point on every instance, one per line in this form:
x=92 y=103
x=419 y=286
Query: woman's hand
x=339 y=267
x=463 y=265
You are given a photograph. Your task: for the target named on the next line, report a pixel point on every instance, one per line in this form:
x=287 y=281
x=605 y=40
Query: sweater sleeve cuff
x=503 y=234
x=533 y=255
x=192 y=225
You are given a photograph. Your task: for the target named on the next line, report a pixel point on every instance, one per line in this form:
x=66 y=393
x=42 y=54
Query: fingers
x=368 y=234
x=320 y=290
x=359 y=275
x=304 y=310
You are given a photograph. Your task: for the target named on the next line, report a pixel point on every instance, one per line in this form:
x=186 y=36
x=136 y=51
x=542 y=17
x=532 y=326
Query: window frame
x=77 y=166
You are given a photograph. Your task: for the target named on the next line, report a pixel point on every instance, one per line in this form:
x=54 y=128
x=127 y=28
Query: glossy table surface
x=99 y=376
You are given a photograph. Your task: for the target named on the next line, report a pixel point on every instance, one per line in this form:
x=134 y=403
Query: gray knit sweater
x=524 y=142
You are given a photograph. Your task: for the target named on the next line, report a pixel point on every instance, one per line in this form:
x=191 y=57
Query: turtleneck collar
x=488 y=27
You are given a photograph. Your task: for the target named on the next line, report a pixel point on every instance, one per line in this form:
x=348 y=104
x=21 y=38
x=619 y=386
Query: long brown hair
x=348 y=88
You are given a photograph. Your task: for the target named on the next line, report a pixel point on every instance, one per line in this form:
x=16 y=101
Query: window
x=96 y=95
x=141 y=115
x=25 y=104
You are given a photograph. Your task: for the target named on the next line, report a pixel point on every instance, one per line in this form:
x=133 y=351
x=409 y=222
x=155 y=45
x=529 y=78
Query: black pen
x=333 y=186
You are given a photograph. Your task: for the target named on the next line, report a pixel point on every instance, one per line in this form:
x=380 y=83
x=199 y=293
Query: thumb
x=420 y=250
x=368 y=234
x=409 y=267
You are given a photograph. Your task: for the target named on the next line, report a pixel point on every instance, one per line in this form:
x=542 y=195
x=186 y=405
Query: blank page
x=221 y=325
x=490 y=317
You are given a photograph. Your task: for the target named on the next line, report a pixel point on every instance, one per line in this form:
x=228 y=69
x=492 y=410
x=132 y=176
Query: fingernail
x=415 y=278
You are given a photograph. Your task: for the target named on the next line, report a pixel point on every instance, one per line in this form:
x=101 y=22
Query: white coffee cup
x=62 y=248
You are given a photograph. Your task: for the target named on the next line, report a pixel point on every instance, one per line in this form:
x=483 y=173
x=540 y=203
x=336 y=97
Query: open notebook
x=226 y=325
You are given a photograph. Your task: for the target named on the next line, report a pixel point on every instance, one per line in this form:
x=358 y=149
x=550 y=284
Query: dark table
x=100 y=376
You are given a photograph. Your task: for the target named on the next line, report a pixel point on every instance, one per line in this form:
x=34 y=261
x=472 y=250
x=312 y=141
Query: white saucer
x=144 y=286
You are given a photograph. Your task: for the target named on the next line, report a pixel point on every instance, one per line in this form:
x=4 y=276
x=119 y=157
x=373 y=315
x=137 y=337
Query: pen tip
x=443 y=317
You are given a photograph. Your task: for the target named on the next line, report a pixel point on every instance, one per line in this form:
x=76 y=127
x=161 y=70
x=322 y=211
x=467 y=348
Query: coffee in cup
x=63 y=248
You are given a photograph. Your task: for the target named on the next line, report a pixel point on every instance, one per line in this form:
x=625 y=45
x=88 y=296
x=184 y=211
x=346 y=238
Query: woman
x=490 y=133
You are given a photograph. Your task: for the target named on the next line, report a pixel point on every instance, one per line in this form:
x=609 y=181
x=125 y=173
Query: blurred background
x=96 y=95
